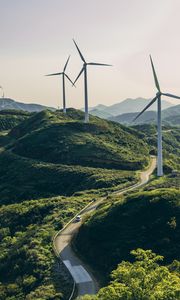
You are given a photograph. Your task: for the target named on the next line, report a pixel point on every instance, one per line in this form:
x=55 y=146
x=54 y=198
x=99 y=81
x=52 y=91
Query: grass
x=169 y=181
x=23 y=179
x=51 y=165
x=11 y=118
x=171 y=144
x=55 y=138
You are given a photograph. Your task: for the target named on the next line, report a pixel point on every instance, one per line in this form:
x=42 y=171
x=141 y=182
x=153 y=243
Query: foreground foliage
x=28 y=269
x=148 y=219
x=144 y=279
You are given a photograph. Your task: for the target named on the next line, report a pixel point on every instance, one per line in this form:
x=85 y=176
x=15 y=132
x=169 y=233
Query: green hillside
x=171 y=144
x=53 y=137
x=34 y=172
x=23 y=179
x=147 y=220
x=51 y=154
x=51 y=165
x=12 y=118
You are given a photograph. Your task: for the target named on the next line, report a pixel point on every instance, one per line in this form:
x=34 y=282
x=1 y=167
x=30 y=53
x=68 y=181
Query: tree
x=144 y=279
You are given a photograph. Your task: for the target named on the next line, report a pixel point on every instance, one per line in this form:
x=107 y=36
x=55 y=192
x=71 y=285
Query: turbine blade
x=82 y=70
x=54 y=74
x=98 y=64
x=66 y=64
x=79 y=52
x=170 y=95
x=69 y=79
x=147 y=106
x=155 y=76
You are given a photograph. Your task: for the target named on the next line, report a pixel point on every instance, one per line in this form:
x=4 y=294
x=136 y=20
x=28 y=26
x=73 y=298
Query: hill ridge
x=58 y=138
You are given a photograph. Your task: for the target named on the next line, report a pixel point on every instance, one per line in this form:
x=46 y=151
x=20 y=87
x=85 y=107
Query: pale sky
x=36 y=39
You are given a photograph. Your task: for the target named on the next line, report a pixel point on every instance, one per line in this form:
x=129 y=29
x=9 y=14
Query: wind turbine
x=63 y=82
x=2 y=91
x=84 y=69
x=159 y=125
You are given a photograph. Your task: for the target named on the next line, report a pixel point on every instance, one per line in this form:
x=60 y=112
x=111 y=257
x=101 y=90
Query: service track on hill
x=85 y=281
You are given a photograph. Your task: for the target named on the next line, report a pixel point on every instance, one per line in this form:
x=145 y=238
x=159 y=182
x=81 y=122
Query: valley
x=51 y=167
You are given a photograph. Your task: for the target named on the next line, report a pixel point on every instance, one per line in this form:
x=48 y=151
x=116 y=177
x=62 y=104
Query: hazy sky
x=36 y=38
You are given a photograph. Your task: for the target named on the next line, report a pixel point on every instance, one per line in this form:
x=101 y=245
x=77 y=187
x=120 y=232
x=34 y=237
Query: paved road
x=85 y=282
x=83 y=278
x=144 y=177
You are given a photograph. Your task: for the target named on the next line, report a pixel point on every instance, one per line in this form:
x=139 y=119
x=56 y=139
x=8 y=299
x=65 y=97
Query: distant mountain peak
x=170 y=116
x=8 y=103
x=129 y=105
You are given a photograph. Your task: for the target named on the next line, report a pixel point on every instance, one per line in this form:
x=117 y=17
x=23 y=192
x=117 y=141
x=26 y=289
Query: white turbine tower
x=63 y=82
x=84 y=69
x=2 y=91
x=159 y=125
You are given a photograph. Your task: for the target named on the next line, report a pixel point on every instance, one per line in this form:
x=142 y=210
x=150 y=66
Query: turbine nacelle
x=83 y=70
x=63 y=72
x=158 y=94
x=85 y=64
x=63 y=82
x=157 y=98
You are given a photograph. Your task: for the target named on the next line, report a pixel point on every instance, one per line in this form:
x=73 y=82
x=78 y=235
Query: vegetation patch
x=53 y=137
x=28 y=269
x=23 y=179
x=145 y=278
x=11 y=118
x=148 y=220
x=171 y=144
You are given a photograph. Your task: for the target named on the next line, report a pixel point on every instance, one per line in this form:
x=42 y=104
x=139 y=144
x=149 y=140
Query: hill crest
x=58 y=138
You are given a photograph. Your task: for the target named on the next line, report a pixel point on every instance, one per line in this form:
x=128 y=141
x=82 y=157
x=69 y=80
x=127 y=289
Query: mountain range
x=170 y=116
x=123 y=112
x=127 y=106
x=7 y=103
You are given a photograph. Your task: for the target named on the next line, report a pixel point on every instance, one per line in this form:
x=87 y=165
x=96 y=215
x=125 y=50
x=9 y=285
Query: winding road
x=83 y=278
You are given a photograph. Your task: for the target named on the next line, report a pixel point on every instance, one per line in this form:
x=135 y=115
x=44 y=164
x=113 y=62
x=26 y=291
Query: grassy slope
x=148 y=220
x=51 y=137
x=171 y=144
x=42 y=149
x=26 y=259
x=11 y=118
x=23 y=178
